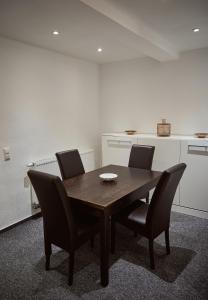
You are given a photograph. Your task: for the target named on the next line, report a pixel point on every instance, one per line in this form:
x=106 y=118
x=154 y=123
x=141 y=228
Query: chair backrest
x=141 y=156
x=55 y=206
x=158 y=216
x=70 y=163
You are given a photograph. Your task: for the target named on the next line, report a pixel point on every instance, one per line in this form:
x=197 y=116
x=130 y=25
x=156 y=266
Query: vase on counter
x=164 y=128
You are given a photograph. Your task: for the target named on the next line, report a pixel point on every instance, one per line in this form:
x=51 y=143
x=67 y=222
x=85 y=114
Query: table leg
x=104 y=250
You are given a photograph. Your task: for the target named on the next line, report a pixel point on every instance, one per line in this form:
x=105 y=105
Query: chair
x=141 y=157
x=70 y=163
x=61 y=226
x=150 y=220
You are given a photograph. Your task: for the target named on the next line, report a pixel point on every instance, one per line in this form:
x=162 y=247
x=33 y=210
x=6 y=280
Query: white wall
x=48 y=102
x=136 y=94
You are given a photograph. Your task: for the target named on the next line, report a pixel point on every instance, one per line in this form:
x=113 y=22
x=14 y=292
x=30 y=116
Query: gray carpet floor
x=181 y=275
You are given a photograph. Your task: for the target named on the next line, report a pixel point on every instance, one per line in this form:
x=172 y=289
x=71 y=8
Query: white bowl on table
x=108 y=176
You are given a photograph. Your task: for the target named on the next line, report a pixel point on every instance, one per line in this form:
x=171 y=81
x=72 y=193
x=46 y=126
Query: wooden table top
x=91 y=190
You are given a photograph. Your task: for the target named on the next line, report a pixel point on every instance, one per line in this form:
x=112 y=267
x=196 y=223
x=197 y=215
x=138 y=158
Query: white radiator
x=50 y=165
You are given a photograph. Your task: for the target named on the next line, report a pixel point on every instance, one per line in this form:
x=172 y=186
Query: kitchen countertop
x=152 y=135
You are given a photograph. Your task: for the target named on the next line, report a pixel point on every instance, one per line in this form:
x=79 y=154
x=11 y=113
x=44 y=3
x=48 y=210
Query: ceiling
x=125 y=29
x=173 y=19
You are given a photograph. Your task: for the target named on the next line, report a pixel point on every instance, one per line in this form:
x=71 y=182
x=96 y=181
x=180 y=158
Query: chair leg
x=92 y=242
x=147 y=199
x=151 y=253
x=113 y=237
x=47 y=255
x=71 y=268
x=167 y=241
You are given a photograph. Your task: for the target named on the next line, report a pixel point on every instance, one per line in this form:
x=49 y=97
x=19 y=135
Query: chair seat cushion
x=139 y=214
x=135 y=218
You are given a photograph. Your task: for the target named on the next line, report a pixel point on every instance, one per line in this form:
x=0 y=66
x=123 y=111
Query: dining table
x=105 y=199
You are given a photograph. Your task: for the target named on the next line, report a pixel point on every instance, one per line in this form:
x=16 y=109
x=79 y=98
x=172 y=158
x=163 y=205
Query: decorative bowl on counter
x=130 y=132
x=201 y=134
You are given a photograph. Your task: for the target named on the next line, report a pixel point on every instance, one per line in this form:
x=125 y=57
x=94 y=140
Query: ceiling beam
x=148 y=41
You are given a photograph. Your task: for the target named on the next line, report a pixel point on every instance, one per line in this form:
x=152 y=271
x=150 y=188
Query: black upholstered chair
x=70 y=163
x=62 y=227
x=150 y=220
x=141 y=156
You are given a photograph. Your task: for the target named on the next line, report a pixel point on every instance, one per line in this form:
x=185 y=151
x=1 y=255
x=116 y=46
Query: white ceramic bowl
x=108 y=176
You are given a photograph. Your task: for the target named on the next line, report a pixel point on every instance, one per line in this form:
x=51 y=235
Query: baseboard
x=190 y=211
x=37 y=215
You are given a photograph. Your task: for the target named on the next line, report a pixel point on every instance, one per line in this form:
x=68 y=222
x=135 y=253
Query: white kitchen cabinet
x=192 y=195
x=194 y=183
x=167 y=154
x=116 y=149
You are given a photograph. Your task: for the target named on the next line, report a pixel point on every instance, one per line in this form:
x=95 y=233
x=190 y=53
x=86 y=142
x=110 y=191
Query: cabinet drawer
x=116 y=150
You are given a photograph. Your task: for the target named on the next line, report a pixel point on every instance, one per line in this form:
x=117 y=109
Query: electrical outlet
x=26 y=182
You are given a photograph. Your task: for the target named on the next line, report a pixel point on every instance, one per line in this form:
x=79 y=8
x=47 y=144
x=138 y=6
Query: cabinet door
x=88 y=160
x=194 y=183
x=167 y=154
x=116 y=150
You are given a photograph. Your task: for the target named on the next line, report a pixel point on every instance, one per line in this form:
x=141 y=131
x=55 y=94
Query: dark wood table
x=105 y=199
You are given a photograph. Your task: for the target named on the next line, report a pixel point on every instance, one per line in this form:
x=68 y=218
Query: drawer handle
x=117 y=142
x=197 y=148
x=113 y=142
x=125 y=142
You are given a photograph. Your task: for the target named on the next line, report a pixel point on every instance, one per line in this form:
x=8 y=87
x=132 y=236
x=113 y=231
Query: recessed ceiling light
x=99 y=50
x=55 y=32
x=195 y=29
